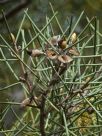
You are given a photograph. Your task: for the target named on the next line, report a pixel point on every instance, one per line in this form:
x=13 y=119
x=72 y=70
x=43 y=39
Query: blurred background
x=38 y=10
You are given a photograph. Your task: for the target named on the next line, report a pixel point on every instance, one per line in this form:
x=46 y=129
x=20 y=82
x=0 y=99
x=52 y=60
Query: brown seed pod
x=35 y=53
x=51 y=54
x=73 y=38
x=54 y=40
x=62 y=44
x=25 y=102
x=74 y=51
x=65 y=58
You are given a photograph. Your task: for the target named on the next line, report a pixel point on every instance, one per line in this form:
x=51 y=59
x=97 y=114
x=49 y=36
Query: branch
x=42 y=116
x=15 y=9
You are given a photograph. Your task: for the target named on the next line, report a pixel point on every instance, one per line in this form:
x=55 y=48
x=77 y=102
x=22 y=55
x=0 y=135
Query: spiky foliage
x=60 y=75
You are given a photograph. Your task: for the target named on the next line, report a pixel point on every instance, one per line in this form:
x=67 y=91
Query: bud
x=25 y=102
x=13 y=38
x=73 y=38
x=35 y=52
x=88 y=79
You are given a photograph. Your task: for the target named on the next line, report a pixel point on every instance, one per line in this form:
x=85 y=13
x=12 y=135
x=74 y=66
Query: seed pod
x=35 y=53
x=73 y=38
x=25 y=102
x=74 y=51
x=64 y=58
x=13 y=38
x=51 y=54
x=62 y=44
x=54 y=40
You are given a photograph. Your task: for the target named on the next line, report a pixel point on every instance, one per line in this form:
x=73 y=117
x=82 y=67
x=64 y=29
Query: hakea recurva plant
x=55 y=57
x=60 y=52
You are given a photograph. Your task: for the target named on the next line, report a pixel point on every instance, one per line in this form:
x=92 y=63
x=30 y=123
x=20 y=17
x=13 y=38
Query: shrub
x=60 y=75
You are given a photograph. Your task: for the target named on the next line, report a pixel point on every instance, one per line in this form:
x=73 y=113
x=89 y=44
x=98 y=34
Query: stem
x=42 y=116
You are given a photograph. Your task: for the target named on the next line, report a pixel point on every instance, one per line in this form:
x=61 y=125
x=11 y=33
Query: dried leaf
x=64 y=58
x=51 y=54
x=35 y=52
x=25 y=102
x=74 y=51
